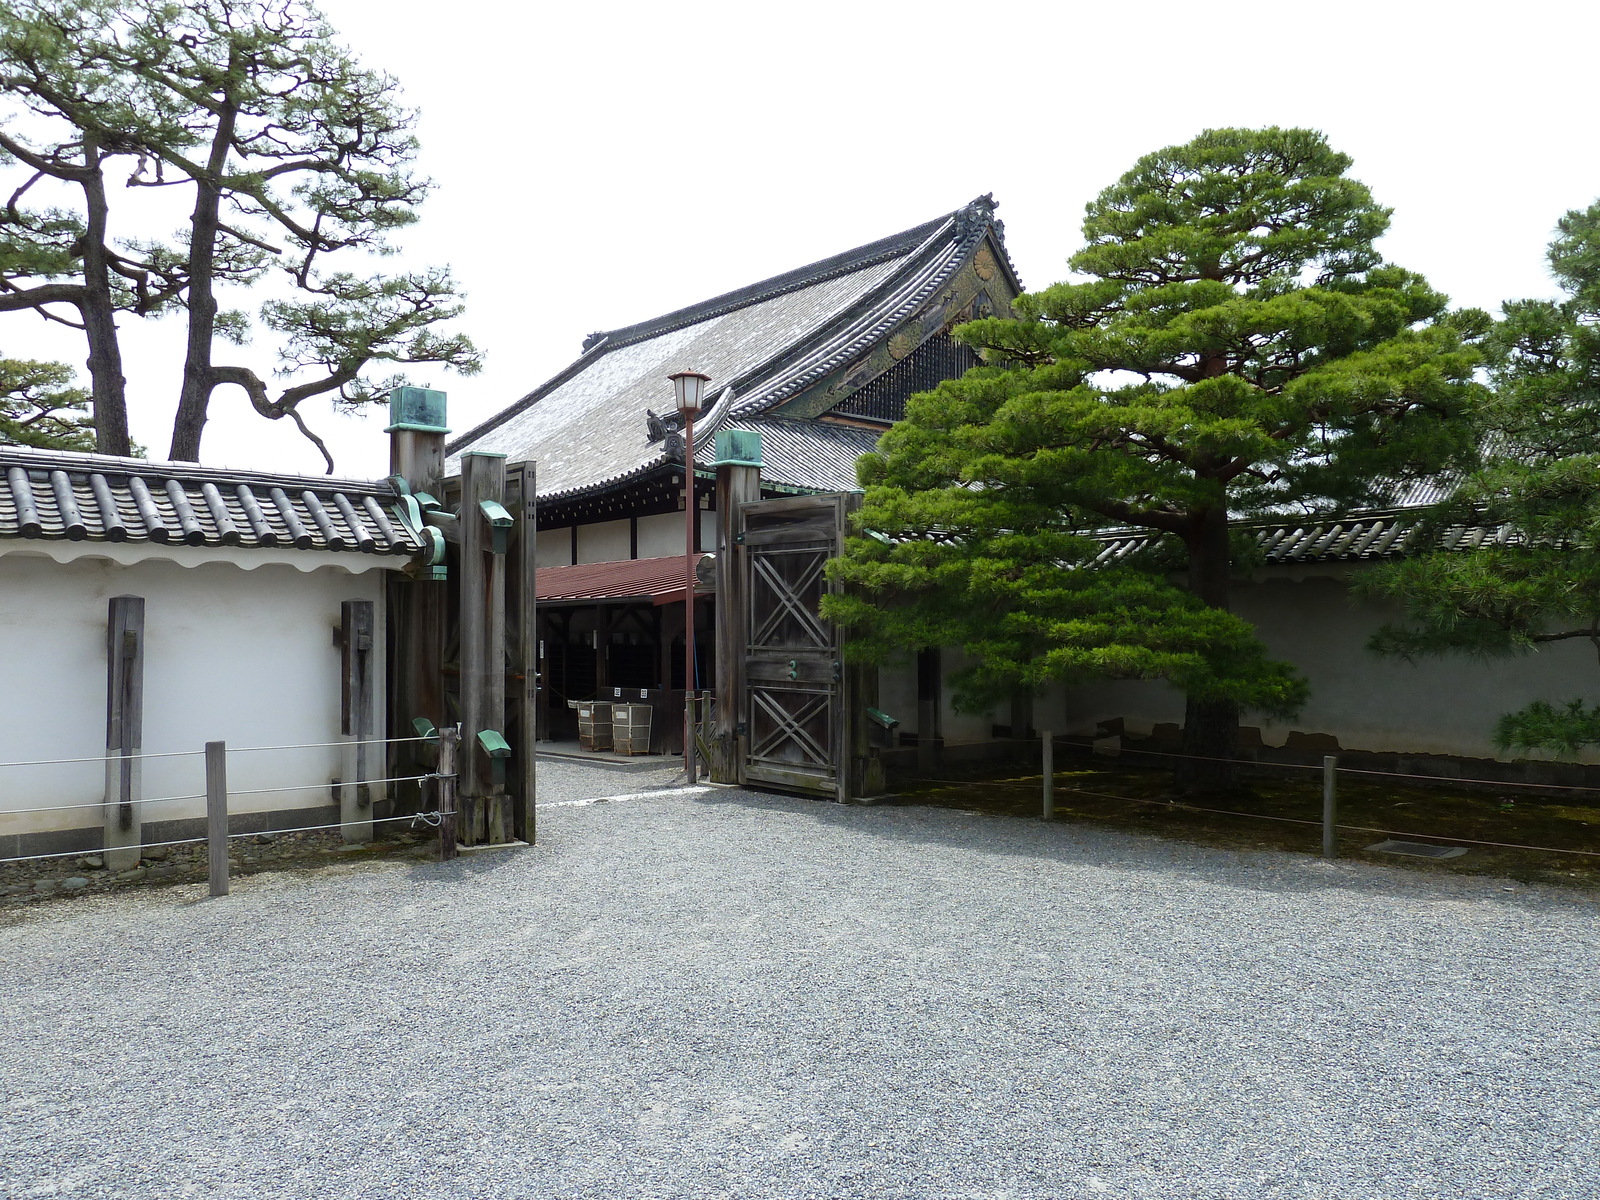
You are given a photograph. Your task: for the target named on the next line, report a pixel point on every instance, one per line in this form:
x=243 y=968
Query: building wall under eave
x=235 y=655
x=1380 y=705
x=554 y=547
x=604 y=541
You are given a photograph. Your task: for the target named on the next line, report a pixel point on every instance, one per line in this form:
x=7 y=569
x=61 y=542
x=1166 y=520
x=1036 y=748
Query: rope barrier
x=327 y=745
x=430 y=818
x=1227 y=812
x=1248 y=762
x=108 y=756
x=102 y=850
x=312 y=787
x=98 y=804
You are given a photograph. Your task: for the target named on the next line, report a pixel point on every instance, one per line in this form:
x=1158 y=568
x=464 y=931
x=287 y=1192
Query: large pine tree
x=1234 y=346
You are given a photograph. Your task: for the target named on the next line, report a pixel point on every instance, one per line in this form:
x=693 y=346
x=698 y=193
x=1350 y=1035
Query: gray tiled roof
x=586 y=428
x=814 y=455
x=57 y=494
x=1361 y=536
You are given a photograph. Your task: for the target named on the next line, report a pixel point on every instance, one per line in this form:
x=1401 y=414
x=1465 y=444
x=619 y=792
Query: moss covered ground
x=1143 y=800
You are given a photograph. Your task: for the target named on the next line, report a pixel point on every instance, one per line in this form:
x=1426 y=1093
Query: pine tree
x=1235 y=347
x=40 y=407
x=1540 y=583
x=291 y=152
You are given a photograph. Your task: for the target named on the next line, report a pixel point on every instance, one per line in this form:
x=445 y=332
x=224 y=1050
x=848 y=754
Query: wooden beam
x=124 y=730
x=449 y=790
x=736 y=486
x=416 y=612
x=483 y=640
x=217 y=817
x=527 y=623
x=356 y=662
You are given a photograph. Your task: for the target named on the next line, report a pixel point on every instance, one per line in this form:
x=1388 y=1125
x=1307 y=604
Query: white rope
x=430 y=817
x=6 y=812
x=102 y=850
x=326 y=745
x=108 y=756
x=312 y=787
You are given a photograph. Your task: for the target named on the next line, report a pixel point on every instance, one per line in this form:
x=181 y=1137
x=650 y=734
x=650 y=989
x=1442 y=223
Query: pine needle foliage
x=1539 y=487
x=40 y=407
x=1233 y=346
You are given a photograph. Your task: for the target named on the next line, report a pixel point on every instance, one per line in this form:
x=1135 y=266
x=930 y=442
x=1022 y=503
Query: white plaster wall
x=235 y=655
x=604 y=541
x=1434 y=706
x=961 y=728
x=661 y=534
x=897 y=694
x=553 y=547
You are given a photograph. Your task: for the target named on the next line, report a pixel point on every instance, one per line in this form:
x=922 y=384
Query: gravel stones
x=734 y=995
x=74 y=883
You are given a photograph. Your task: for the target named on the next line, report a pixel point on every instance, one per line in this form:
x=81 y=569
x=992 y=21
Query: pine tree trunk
x=107 y=385
x=198 y=379
x=1210 y=727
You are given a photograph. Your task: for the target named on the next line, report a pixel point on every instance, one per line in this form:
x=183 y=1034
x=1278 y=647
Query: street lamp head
x=689 y=392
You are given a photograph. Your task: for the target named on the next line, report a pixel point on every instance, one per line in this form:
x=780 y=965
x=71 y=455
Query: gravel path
x=731 y=995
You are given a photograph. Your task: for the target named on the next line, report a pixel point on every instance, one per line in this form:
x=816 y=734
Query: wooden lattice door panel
x=792 y=690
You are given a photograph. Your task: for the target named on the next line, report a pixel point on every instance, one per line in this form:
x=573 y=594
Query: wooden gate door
x=793 y=678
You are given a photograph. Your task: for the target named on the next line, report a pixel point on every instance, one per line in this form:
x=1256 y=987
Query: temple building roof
x=781 y=354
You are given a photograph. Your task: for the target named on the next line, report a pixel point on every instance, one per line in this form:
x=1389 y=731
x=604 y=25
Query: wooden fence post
x=1330 y=807
x=124 y=730
x=449 y=740
x=1049 y=774
x=217 y=816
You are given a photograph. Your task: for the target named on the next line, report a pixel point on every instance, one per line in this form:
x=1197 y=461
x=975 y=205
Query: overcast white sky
x=600 y=164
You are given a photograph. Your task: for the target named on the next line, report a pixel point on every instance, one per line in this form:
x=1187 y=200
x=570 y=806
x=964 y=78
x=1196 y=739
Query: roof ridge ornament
x=977 y=216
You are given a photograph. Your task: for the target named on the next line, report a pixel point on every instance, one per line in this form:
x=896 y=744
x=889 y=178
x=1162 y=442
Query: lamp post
x=689 y=393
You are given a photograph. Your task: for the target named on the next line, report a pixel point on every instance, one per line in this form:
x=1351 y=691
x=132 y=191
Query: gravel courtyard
x=724 y=994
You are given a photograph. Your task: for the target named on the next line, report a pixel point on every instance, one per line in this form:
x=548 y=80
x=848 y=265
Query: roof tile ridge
x=904 y=243
x=92 y=462
x=967 y=243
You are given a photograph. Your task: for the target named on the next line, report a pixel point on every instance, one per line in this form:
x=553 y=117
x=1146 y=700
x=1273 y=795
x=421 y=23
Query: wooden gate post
x=356 y=635
x=124 y=730
x=738 y=465
x=860 y=770
x=418 y=607
x=527 y=626
x=483 y=647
